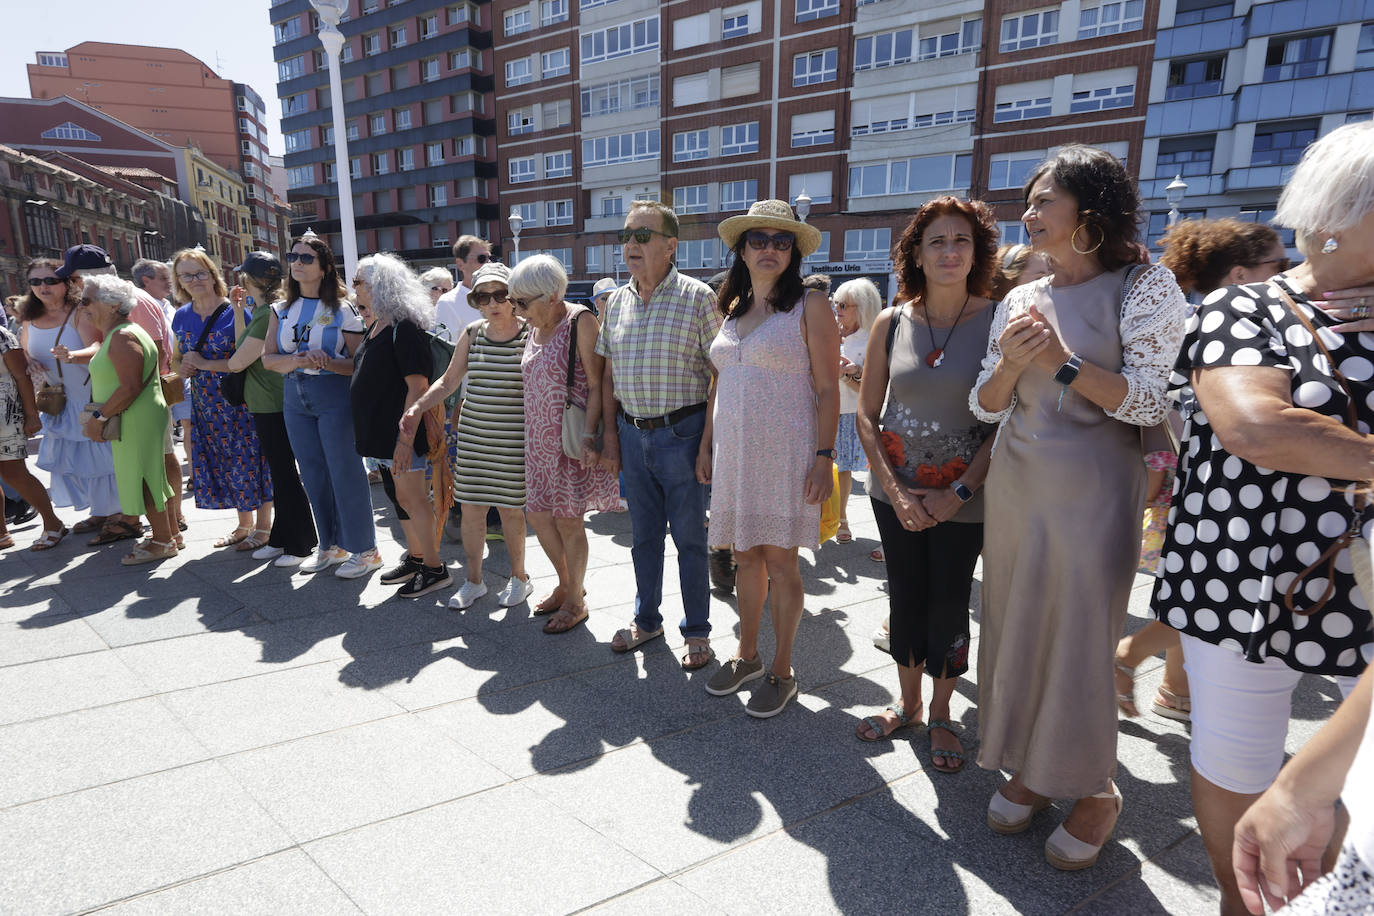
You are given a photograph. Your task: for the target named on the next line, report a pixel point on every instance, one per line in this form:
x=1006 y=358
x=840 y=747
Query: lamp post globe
x=516 y=222
x=1173 y=193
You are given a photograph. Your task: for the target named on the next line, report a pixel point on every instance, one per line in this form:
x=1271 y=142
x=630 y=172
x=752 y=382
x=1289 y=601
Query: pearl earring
x=1330 y=246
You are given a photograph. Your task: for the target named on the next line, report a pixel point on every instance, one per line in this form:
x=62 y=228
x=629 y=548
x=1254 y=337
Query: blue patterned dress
x=230 y=470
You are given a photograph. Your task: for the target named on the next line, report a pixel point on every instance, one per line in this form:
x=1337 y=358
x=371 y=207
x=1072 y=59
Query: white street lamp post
x=1173 y=193
x=803 y=205
x=332 y=39
x=516 y=222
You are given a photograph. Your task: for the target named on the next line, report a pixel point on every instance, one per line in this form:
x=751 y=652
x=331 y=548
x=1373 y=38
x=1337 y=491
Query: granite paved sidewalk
x=216 y=735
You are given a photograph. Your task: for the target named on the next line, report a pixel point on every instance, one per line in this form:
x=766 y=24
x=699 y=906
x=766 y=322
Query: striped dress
x=491 y=425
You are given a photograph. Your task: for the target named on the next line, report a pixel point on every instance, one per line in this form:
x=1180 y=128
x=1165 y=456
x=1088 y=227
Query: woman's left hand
x=1278 y=847
x=1054 y=354
x=93 y=428
x=190 y=360
x=32 y=425
x=819 y=482
x=941 y=504
x=61 y=354
x=1353 y=306
x=318 y=359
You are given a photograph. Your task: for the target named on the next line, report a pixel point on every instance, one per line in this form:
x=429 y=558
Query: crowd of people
x=1058 y=409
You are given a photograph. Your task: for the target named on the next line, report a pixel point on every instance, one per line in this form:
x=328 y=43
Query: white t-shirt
x=452 y=313
x=852 y=348
x=303 y=326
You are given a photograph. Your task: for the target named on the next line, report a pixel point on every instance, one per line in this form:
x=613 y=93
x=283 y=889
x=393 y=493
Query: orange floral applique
x=892 y=445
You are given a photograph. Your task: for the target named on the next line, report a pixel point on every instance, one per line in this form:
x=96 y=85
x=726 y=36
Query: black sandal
x=116 y=531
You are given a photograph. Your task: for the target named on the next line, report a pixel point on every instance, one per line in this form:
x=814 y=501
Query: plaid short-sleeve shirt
x=659 y=349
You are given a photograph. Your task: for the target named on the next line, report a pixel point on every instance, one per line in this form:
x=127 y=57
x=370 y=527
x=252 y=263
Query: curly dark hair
x=911 y=280
x=1201 y=252
x=737 y=292
x=1108 y=201
x=332 y=288
x=30 y=307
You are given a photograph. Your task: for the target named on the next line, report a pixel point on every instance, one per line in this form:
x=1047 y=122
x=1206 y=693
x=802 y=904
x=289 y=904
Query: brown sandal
x=558 y=623
x=698 y=655
x=116 y=531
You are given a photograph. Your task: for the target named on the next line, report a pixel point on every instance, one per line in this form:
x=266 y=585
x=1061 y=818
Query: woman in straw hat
x=775 y=408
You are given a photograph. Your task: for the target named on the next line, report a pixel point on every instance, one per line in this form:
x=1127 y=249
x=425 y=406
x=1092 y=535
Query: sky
x=233 y=38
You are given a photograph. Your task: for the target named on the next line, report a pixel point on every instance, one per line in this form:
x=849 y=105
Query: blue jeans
x=662 y=490
x=319 y=423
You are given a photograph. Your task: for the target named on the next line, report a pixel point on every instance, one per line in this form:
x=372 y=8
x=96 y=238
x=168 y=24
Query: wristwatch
x=962 y=491
x=825 y=453
x=96 y=415
x=1069 y=371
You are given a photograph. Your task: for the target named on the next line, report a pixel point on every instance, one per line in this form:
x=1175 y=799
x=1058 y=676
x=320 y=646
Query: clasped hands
x=919 y=508
x=1030 y=340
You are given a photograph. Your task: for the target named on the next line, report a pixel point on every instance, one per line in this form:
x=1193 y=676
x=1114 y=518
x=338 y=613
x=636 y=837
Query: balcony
x=1198 y=186
x=1201 y=38
x=1190 y=116
x=1330 y=94
x=1256 y=177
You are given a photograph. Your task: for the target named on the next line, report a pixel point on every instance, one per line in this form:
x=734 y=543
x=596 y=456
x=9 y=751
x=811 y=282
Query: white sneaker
x=360 y=564
x=267 y=552
x=324 y=558
x=882 y=638
x=288 y=561
x=516 y=591
x=467 y=593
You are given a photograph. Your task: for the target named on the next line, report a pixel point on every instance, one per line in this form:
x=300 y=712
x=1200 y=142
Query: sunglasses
x=440 y=289
x=292 y=257
x=482 y=258
x=1282 y=264
x=481 y=299
x=193 y=278
x=761 y=240
x=523 y=304
x=45 y=281
x=641 y=235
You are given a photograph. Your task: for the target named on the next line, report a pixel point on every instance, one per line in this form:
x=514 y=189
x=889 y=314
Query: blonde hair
x=200 y=257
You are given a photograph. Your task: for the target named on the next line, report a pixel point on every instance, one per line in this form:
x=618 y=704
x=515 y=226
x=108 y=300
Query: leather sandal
x=842 y=534
x=1172 y=705
x=150 y=551
x=1126 y=701
x=1067 y=852
x=876 y=727
x=234 y=537
x=1007 y=817
x=699 y=653
x=632 y=637
x=258 y=538
x=116 y=531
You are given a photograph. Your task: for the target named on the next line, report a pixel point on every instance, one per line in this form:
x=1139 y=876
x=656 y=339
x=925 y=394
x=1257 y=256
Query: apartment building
x=418 y=102
x=222 y=198
x=175 y=97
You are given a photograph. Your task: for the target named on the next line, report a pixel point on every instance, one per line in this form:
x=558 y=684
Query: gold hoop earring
x=1074 y=246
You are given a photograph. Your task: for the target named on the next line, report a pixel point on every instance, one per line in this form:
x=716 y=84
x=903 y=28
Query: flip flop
x=632 y=637
x=50 y=539
x=553 y=629
x=700 y=648
x=941 y=753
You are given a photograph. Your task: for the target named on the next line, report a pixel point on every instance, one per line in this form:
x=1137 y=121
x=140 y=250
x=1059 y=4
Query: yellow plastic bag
x=830 y=509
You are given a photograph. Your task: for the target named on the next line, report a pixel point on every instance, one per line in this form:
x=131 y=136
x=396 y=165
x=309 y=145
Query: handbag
x=574 y=417
x=1352 y=539
x=52 y=399
x=173 y=388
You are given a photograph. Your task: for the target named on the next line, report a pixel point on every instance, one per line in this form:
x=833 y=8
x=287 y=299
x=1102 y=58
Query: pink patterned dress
x=764 y=436
x=553 y=481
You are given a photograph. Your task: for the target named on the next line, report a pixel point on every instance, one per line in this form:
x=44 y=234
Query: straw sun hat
x=771 y=214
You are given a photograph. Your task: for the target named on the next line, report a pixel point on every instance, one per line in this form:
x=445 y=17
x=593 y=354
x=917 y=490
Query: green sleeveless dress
x=138 y=451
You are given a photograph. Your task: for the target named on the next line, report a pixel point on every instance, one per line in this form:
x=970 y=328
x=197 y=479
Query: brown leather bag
x=52 y=399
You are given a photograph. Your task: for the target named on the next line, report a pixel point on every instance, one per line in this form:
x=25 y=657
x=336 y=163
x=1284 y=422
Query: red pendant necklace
x=936 y=356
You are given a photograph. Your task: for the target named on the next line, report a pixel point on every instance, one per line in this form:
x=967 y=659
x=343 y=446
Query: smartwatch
x=962 y=491
x=1069 y=371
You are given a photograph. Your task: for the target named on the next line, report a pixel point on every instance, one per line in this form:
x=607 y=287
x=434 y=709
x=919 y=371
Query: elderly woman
x=18 y=421
x=124 y=385
x=59 y=343
x=311 y=338
x=1017 y=264
x=560 y=490
x=857 y=304
x=292 y=537
x=392 y=370
x=437 y=281
x=769 y=443
x=230 y=471
x=491 y=431
x=929 y=456
x=1075 y=366
x=1253 y=576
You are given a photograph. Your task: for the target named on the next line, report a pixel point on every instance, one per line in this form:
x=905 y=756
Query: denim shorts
x=418 y=462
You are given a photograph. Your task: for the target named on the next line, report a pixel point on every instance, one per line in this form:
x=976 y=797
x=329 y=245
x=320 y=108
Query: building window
x=457 y=15
x=381 y=163
x=699 y=254
x=519 y=72
x=620 y=40
x=593 y=255
x=1102 y=99
x=398 y=37
x=739 y=139
x=558 y=213
x=1159 y=224
x=376 y=125
x=468 y=146
x=1364 y=52
x=438 y=195
x=522 y=169
x=429 y=27
x=692 y=198
x=355 y=168
x=434 y=153
x=885 y=50
x=405 y=160
x=552 y=11
x=402 y=118
x=291 y=68
x=817 y=186
x=691 y=144
x=429 y=70
x=910 y=176
x=637 y=146
x=816 y=9
x=867 y=244
x=558 y=165
x=302 y=176
x=351 y=130
x=554 y=63
x=1186 y=156
x=1029 y=30
x=517 y=21
x=1010 y=170
x=555 y=114
x=294 y=105
x=529 y=213
x=282 y=31
x=734 y=23
x=1192 y=79
x=622 y=95
x=1295 y=58
x=520 y=121
x=739 y=80
x=297 y=140
x=462 y=60
x=372 y=44
x=815 y=67
x=1111 y=18
x=1021 y=109
x=814 y=128
x=612 y=206
x=1281 y=142
x=963 y=41
x=738 y=195
x=1191 y=12
x=345 y=55
x=1012 y=232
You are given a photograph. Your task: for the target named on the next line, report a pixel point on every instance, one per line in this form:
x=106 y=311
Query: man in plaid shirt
x=656 y=336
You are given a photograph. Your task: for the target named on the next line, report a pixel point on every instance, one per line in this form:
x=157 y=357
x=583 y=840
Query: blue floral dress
x=229 y=469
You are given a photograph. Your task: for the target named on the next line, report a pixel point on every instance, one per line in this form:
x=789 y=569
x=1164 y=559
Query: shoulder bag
x=52 y=399
x=574 y=417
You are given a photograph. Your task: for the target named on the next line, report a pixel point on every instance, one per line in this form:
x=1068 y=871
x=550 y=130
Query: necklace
x=937 y=354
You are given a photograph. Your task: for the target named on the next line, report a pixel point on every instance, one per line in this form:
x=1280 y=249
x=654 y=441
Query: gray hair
x=144 y=269
x=111 y=290
x=434 y=276
x=538 y=276
x=396 y=292
x=865 y=297
x=1332 y=187
x=106 y=271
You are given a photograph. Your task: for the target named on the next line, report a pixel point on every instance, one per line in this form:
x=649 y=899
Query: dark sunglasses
x=641 y=235
x=523 y=304
x=45 y=281
x=1282 y=264
x=481 y=299
x=292 y=257
x=483 y=258
x=761 y=240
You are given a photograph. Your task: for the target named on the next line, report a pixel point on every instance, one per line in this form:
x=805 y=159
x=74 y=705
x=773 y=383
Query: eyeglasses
x=292 y=257
x=523 y=304
x=440 y=289
x=45 y=281
x=761 y=240
x=640 y=235
x=193 y=278
x=1281 y=264
x=481 y=299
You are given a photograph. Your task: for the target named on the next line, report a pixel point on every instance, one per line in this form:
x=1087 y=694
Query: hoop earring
x=1074 y=246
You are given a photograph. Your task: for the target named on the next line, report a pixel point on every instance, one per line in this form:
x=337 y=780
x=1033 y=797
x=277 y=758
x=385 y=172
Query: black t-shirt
x=378 y=390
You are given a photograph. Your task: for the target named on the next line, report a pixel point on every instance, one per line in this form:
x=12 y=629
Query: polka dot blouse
x=1239 y=534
